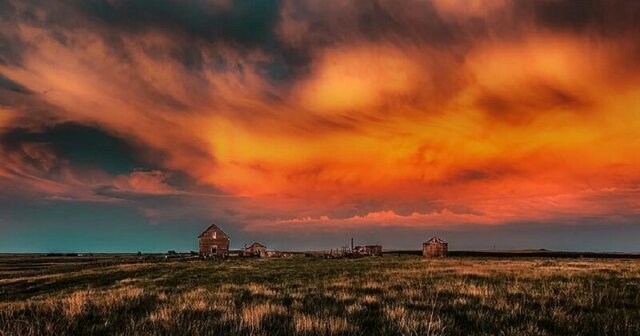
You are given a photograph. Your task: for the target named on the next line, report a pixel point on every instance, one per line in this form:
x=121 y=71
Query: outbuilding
x=435 y=247
x=368 y=250
x=255 y=250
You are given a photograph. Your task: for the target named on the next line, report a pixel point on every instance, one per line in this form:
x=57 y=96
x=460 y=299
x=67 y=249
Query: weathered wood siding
x=214 y=242
x=434 y=249
x=256 y=250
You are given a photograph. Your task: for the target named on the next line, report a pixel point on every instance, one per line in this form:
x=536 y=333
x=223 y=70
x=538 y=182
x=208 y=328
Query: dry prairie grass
x=306 y=296
x=323 y=325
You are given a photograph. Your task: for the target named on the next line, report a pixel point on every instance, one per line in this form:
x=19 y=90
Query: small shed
x=213 y=242
x=255 y=250
x=435 y=247
x=368 y=250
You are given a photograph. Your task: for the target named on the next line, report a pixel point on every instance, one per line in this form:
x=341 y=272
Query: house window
x=214 y=235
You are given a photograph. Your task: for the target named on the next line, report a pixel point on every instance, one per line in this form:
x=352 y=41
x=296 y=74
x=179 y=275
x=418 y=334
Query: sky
x=132 y=125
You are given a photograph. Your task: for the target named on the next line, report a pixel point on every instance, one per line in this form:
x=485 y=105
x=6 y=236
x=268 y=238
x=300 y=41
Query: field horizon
x=496 y=253
x=388 y=295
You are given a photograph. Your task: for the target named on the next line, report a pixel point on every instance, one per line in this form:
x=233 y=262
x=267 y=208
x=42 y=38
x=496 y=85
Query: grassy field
x=403 y=295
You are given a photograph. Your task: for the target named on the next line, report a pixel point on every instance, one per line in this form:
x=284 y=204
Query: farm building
x=434 y=247
x=368 y=250
x=213 y=242
x=255 y=250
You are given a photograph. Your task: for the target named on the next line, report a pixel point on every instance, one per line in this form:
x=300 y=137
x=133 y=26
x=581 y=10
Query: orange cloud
x=444 y=105
x=360 y=79
x=387 y=218
x=146 y=182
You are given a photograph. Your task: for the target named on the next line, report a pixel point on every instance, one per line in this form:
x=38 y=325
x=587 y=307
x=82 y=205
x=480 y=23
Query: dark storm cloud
x=375 y=20
x=575 y=15
x=482 y=174
x=11 y=49
x=253 y=24
x=30 y=107
x=242 y=22
x=11 y=46
x=605 y=17
x=8 y=84
x=248 y=25
x=197 y=26
x=335 y=23
x=152 y=185
x=529 y=102
x=79 y=144
x=194 y=26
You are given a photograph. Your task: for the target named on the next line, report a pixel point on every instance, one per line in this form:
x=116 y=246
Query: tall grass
x=306 y=296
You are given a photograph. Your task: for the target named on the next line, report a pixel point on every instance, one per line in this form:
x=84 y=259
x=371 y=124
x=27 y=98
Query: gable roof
x=212 y=227
x=256 y=244
x=435 y=240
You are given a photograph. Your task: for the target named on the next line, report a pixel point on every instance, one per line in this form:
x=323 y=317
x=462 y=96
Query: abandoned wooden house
x=213 y=242
x=368 y=250
x=255 y=250
x=434 y=247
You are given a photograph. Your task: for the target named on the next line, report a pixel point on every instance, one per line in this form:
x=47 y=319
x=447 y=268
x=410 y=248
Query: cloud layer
x=317 y=115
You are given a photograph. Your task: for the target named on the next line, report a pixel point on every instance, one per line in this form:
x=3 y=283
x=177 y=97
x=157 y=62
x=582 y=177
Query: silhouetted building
x=255 y=250
x=435 y=247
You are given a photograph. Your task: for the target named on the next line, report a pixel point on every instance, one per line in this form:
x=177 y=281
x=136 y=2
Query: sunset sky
x=132 y=125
